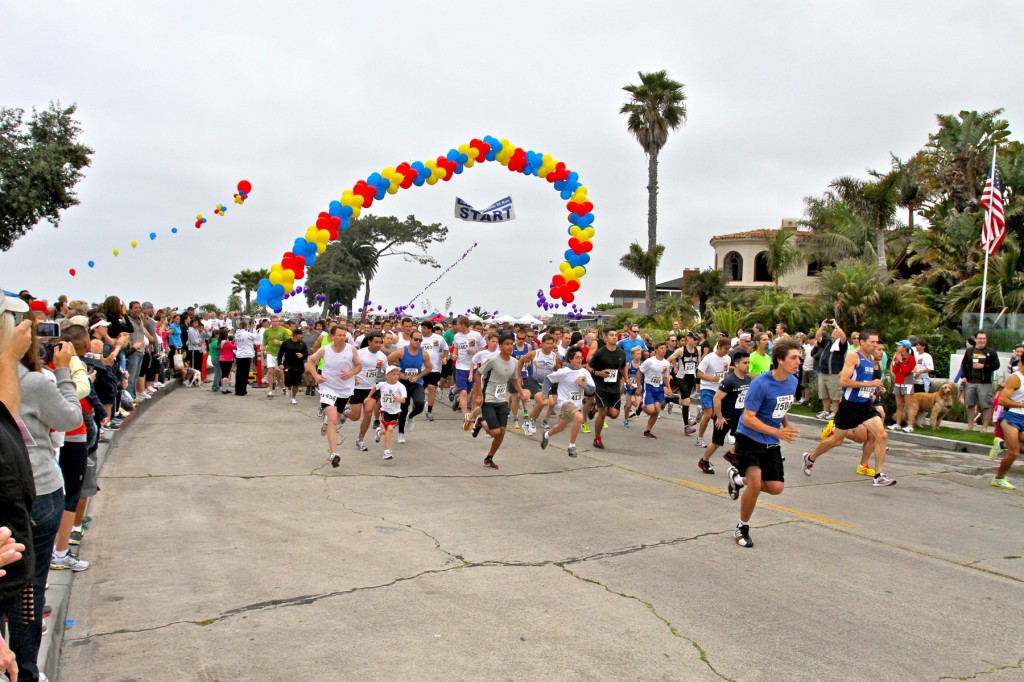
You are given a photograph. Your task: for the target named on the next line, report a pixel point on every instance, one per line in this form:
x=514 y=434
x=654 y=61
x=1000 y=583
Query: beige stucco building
x=741 y=256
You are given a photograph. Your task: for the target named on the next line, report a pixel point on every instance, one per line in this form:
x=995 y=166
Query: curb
x=912 y=438
x=58 y=595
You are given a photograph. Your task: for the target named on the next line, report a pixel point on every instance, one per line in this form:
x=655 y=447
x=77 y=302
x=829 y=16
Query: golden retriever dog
x=938 y=403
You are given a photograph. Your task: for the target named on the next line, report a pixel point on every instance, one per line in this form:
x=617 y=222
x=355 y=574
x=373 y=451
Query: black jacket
x=17 y=492
x=979 y=376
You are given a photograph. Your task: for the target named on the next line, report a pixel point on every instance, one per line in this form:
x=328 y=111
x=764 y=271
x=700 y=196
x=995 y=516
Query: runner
x=571 y=381
x=291 y=358
x=1011 y=399
x=498 y=373
x=466 y=344
x=436 y=349
x=540 y=362
x=857 y=379
x=414 y=364
x=391 y=395
x=478 y=361
x=336 y=384
x=686 y=358
x=857 y=435
x=632 y=387
x=361 y=406
x=273 y=337
x=759 y=360
x=655 y=371
x=728 y=406
x=608 y=365
x=522 y=346
x=762 y=425
x=711 y=370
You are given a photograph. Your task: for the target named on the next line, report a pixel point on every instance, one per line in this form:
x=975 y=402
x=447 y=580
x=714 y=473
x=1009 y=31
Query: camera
x=48 y=330
x=46 y=351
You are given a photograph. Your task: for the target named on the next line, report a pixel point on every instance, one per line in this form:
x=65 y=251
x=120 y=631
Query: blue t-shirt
x=769 y=400
x=174 y=338
x=627 y=344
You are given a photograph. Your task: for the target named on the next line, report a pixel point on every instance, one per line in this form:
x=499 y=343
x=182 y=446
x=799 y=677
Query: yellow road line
x=814 y=517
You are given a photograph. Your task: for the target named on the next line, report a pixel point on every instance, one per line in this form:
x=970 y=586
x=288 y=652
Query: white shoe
x=731 y=439
x=294 y=401
x=401 y=439
x=894 y=427
x=376 y=438
x=270 y=394
x=68 y=563
x=387 y=454
x=700 y=443
x=908 y=429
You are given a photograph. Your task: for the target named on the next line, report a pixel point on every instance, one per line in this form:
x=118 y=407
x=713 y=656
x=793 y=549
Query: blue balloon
x=336 y=209
x=152 y=235
x=264 y=283
x=346 y=212
x=174 y=230
x=584 y=258
x=92 y=264
x=345 y=222
x=381 y=193
x=585 y=220
x=311 y=258
x=277 y=290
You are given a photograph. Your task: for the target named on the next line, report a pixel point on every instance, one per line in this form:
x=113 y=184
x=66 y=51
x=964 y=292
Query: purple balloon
x=495 y=312
x=298 y=290
x=539 y=304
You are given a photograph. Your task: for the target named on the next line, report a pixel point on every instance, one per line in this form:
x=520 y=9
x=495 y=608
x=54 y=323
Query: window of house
x=732 y=267
x=761 y=273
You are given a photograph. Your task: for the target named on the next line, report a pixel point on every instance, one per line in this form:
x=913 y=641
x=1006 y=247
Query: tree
x=656 y=107
x=234 y=303
x=727 y=319
x=779 y=305
x=643 y=264
x=39 y=168
x=374 y=237
x=781 y=255
x=705 y=285
x=335 y=274
x=247 y=281
x=1005 y=287
x=669 y=309
x=859 y=295
x=210 y=308
x=874 y=203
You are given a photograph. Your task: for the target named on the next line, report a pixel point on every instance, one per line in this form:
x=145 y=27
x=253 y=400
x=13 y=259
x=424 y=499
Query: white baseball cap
x=101 y=323
x=12 y=304
x=391 y=368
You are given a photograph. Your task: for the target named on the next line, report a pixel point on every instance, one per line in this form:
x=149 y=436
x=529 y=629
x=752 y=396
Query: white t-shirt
x=402 y=341
x=373 y=365
x=924 y=360
x=655 y=371
x=246 y=342
x=434 y=345
x=467 y=345
x=336 y=362
x=483 y=356
x=713 y=365
x=568 y=390
x=388 y=395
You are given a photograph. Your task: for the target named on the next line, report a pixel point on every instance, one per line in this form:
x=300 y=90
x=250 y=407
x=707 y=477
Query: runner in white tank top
x=336 y=384
x=1011 y=420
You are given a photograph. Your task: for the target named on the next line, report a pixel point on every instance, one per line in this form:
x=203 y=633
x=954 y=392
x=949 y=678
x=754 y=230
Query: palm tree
x=1005 y=286
x=643 y=264
x=656 y=107
x=779 y=305
x=247 y=281
x=960 y=152
x=704 y=285
x=860 y=295
x=728 y=319
x=874 y=202
x=671 y=309
x=782 y=257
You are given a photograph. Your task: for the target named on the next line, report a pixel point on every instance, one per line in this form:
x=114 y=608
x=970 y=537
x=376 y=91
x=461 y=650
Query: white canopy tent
x=473 y=317
x=505 y=318
x=528 y=319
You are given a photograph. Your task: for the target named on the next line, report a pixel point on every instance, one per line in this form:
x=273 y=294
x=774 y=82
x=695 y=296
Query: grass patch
x=941 y=432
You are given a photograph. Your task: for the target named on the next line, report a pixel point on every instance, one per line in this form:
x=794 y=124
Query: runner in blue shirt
x=762 y=425
x=627 y=344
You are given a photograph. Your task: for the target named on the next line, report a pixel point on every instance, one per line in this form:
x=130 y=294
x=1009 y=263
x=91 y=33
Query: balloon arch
x=377 y=186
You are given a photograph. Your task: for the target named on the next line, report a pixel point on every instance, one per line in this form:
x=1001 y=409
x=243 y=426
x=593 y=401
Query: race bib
x=327 y=398
x=741 y=399
x=613 y=376
x=689 y=368
x=387 y=399
x=782 y=405
x=370 y=374
x=866 y=392
x=500 y=391
x=576 y=397
x=411 y=372
x=462 y=345
x=654 y=381
x=719 y=375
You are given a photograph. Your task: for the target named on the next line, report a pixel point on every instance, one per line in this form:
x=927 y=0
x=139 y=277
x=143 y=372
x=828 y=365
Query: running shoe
x=598 y=443
x=705 y=466
x=455 y=406
x=822 y=415
x=585 y=428
x=342 y=418
x=478 y=424
x=625 y=423
x=648 y=434
x=544 y=425
x=827 y=431
x=451 y=394
x=730 y=439
x=323 y=428
x=322 y=411
x=410 y=424
x=361 y=445
x=694 y=418
x=1003 y=483
x=76 y=537
x=376 y=423
x=638 y=412
x=830 y=416
x=335 y=460
x=430 y=415
x=112 y=427
x=515 y=424
x=489 y=463
x=544 y=441
x=530 y=428
x=731 y=458
x=270 y=394
x=690 y=430
x=808 y=464
x=742 y=535
x=908 y=429
x=467 y=423
x=881 y=480
x=68 y=563
x=294 y=401
x=593 y=412
x=377 y=435
x=526 y=415
x=700 y=443
x=997 y=446
x=894 y=427
x=734 y=487
x=865 y=471
x=669 y=407
x=387 y=454
x=401 y=439
x=571 y=451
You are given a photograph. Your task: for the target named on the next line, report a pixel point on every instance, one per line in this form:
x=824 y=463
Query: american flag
x=994 y=230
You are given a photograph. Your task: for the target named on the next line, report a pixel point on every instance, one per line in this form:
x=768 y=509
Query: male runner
x=540 y=362
x=498 y=373
x=655 y=371
x=523 y=345
x=413 y=365
x=858 y=383
x=728 y=406
x=465 y=344
x=711 y=370
x=336 y=384
x=291 y=357
x=1011 y=399
x=273 y=337
x=686 y=359
x=360 y=405
x=763 y=424
x=571 y=382
x=608 y=365
x=437 y=350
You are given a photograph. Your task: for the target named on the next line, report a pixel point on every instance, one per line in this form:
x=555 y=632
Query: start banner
x=500 y=211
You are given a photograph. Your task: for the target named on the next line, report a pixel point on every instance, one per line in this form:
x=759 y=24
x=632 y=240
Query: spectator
x=976 y=374
x=246 y=341
x=1014 y=362
x=924 y=367
x=831 y=340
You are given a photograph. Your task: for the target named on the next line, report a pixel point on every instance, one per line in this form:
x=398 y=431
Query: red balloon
x=568 y=297
x=72 y=272
x=558 y=280
x=244 y=186
x=572 y=285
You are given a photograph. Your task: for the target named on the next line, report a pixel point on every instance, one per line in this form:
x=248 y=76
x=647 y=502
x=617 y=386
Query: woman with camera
x=49 y=403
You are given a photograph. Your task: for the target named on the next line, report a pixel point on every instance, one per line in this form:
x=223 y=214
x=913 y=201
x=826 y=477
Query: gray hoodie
x=46 y=406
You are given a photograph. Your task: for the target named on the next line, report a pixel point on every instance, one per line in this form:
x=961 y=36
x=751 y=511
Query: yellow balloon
x=287 y=276
x=311 y=233
x=356 y=209
x=116 y=252
x=289 y=287
x=275 y=276
x=320 y=247
x=394 y=187
x=199 y=216
x=276 y=267
x=323 y=236
x=134 y=243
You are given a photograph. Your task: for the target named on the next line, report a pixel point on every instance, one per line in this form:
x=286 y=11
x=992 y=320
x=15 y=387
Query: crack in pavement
x=671 y=628
x=316 y=473
x=991 y=671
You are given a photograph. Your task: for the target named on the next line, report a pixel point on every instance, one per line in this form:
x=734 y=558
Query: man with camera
x=832 y=342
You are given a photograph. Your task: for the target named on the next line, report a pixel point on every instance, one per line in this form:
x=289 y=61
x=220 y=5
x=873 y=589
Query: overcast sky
x=182 y=100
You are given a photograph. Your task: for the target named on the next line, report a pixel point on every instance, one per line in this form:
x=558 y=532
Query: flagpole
x=984 y=244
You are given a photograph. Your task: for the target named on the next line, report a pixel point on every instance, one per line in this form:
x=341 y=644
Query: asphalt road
x=225 y=547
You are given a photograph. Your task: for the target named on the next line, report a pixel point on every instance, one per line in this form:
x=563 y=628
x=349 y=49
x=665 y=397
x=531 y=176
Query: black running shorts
x=495 y=414
x=850 y=415
x=768 y=458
